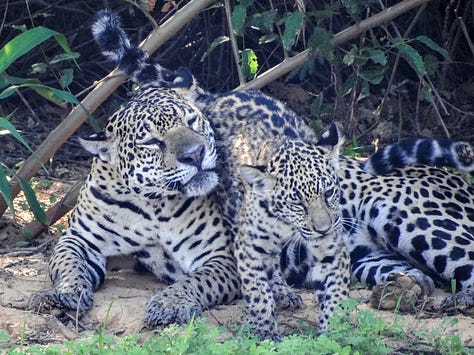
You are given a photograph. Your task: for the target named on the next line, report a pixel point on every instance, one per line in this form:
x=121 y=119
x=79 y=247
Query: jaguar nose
x=193 y=155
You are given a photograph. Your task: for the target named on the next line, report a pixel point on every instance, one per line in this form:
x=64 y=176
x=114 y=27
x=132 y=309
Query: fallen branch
x=101 y=92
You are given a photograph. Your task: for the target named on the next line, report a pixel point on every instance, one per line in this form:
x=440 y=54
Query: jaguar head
x=159 y=144
x=298 y=181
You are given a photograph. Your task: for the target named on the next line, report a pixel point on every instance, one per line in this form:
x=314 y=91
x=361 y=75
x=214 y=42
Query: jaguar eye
x=192 y=121
x=154 y=142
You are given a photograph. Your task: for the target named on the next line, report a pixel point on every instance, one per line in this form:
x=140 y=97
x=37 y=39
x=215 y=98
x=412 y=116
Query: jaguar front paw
x=164 y=309
x=463 y=298
x=47 y=301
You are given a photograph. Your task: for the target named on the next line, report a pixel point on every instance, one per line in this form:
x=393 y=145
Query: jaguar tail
x=422 y=151
x=128 y=57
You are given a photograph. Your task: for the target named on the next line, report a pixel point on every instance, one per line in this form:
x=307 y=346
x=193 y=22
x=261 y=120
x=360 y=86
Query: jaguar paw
x=288 y=300
x=44 y=301
x=463 y=298
x=164 y=310
x=49 y=300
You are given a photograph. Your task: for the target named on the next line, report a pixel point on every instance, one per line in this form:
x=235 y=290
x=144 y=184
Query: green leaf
x=316 y=105
x=66 y=77
x=322 y=41
x=349 y=85
x=5 y=189
x=431 y=64
x=374 y=76
x=267 y=38
x=365 y=91
x=377 y=56
x=26 y=41
x=263 y=21
x=293 y=25
x=6 y=125
x=54 y=95
x=350 y=56
x=64 y=56
x=432 y=45
x=33 y=201
x=217 y=42
x=6 y=80
x=239 y=14
x=249 y=63
x=412 y=57
x=427 y=94
x=352 y=6
x=246 y=3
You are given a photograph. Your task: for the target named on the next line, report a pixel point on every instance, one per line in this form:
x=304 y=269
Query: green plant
x=14 y=49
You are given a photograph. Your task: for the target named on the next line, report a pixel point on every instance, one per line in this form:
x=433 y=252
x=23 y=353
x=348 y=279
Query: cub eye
x=329 y=193
x=296 y=206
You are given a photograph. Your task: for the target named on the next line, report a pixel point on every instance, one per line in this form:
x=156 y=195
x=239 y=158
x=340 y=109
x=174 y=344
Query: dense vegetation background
x=407 y=77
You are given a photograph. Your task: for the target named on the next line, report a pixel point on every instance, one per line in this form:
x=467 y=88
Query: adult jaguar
x=185 y=238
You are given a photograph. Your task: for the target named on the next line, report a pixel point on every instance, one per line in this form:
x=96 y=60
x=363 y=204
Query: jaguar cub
x=291 y=197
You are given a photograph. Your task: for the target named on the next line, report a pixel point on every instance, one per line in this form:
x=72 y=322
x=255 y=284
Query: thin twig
x=233 y=41
x=25 y=102
x=466 y=34
x=397 y=58
x=440 y=119
x=146 y=13
x=437 y=95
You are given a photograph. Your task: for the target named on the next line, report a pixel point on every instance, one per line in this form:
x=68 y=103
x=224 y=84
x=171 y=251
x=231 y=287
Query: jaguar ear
x=333 y=140
x=261 y=182
x=100 y=146
x=332 y=137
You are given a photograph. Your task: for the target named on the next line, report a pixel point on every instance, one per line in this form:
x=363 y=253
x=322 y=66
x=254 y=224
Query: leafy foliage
x=352 y=331
x=10 y=52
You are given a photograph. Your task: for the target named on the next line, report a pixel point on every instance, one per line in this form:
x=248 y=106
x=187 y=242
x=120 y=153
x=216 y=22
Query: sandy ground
x=120 y=304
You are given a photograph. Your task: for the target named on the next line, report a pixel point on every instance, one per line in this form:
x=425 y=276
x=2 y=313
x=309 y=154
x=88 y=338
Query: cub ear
x=100 y=146
x=261 y=182
x=332 y=137
x=333 y=140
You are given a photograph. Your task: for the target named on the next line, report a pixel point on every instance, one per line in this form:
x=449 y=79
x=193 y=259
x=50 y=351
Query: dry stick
x=102 y=91
x=343 y=36
x=349 y=33
x=233 y=41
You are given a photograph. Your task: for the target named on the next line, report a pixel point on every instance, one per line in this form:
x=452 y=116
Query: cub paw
x=164 y=310
x=288 y=299
x=263 y=329
x=401 y=292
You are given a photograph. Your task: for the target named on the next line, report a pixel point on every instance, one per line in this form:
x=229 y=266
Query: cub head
x=159 y=144
x=299 y=183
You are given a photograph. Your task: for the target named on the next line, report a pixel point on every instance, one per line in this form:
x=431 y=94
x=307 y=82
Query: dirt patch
x=120 y=304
